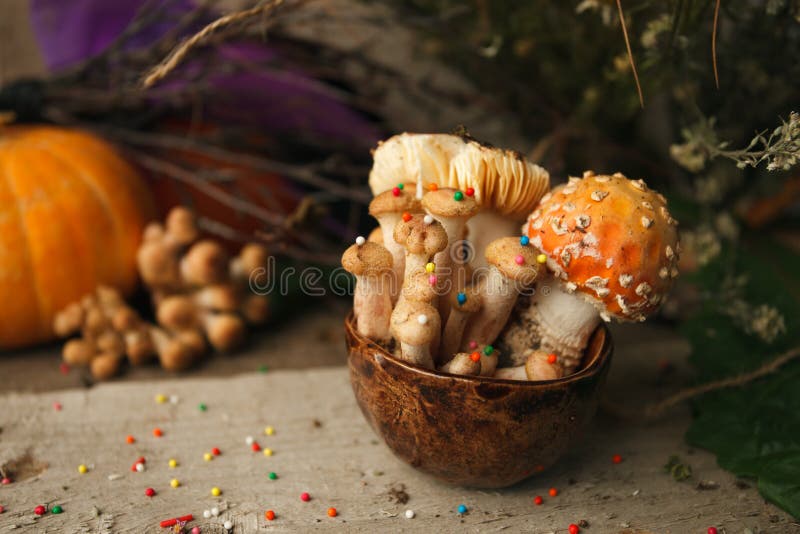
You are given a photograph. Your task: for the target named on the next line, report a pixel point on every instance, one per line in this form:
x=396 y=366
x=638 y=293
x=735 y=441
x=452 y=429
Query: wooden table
x=323 y=446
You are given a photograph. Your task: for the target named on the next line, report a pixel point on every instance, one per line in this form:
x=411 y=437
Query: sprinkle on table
x=227 y=525
x=130 y=440
x=263 y=368
x=524 y=240
x=574 y=529
x=202 y=407
x=553 y=492
x=470 y=191
x=617 y=459
x=208 y=456
x=541 y=258
x=488 y=350
x=305 y=497
x=57 y=509
x=82 y=469
x=174 y=482
x=215 y=451
x=712 y=530
x=475 y=356
x=410 y=514
x=173 y=463
x=407 y=216
x=161 y=398
x=139 y=467
x=249 y=440
x=332 y=512
x=269 y=515
x=57 y=406
x=462 y=509
x=273 y=475
x=150 y=492
x=268 y=452
x=255 y=446
x=216 y=492
x=157 y=432
x=2 y=509
x=519 y=259
x=433 y=187
x=269 y=431
x=538 y=500
x=458 y=196
x=64 y=368
x=39 y=510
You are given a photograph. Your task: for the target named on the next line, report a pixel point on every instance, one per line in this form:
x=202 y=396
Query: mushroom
x=462 y=305
x=415 y=325
x=173 y=353
x=612 y=247
x=371 y=264
x=225 y=331
x=250 y=259
x=539 y=365
x=506 y=186
x=489 y=358
x=512 y=269
x=388 y=208
x=463 y=364
x=204 y=263
x=422 y=240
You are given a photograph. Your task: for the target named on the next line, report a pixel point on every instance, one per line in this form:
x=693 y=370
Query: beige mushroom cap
x=419 y=237
x=514 y=260
x=442 y=203
x=503 y=180
x=387 y=202
x=472 y=303
x=539 y=367
x=369 y=259
x=415 y=323
x=419 y=287
x=610 y=239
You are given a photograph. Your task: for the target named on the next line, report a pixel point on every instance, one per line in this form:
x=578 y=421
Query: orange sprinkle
x=552 y=358
x=130 y=439
x=553 y=492
x=332 y=512
x=270 y=515
x=157 y=432
x=407 y=216
x=475 y=356
x=433 y=187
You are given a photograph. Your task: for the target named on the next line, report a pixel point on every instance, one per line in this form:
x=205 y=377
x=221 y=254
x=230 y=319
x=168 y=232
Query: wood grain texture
x=339 y=461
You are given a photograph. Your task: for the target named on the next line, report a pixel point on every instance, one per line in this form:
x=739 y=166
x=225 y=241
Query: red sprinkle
x=553 y=492
x=64 y=368
x=396 y=191
x=712 y=530
x=130 y=439
x=172 y=522
x=407 y=216
x=255 y=446
x=552 y=358
x=270 y=515
x=574 y=529
x=5 y=481
x=617 y=459
x=39 y=510
x=157 y=432
x=332 y=512
x=538 y=500
x=470 y=191
x=2 y=509
x=141 y=460
x=57 y=406
x=215 y=451
x=149 y=492
x=305 y=497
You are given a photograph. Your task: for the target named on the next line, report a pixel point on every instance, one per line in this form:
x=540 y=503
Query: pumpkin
x=72 y=213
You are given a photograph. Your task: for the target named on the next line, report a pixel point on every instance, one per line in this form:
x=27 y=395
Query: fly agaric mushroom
x=463 y=364
x=512 y=268
x=539 y=365
x=388 y=208
x=462 y=305
x=371 y=264
x=415 y=326
x=422 y=239
x=612 y=247
x=504 y=184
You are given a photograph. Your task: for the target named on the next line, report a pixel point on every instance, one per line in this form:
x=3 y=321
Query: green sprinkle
x=488 y=350
x=56 y=509
x=273 y=476
x=400 y=186
x=263 y=368
x=202 y=407
x=458 y=196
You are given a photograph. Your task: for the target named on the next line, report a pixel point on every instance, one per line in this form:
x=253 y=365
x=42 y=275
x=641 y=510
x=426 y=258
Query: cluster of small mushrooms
x=525 y=306
x=201 y=297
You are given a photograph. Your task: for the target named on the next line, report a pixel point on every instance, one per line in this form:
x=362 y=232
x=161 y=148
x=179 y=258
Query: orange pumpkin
x=72 y=213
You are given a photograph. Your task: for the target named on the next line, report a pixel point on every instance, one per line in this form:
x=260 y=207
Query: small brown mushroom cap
x=105 y=365
x=181 y=225
x=78 y=352
x=472 y=304
x=442 y=203
x=419 y=237
x=252 y=256
x=205 y=263
x=225 y=331
x=177 y=312
x=387 y=202
x=514 y=260
x=369 y=259
x=415 y=323
x=419 y=287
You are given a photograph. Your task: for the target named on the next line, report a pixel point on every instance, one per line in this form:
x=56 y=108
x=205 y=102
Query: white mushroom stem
x=461 y=364
x=453 y=332
x=565 y=322
x=418 y=354
x=498 y=296
x=387 y=222
x=486 y=226
x=372 y=305
x=445 y=266
x=511 y=373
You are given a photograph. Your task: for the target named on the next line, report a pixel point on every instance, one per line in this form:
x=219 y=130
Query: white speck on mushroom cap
x=625 y=280
x=588 y=174
x=601 y=179
x=537 y=224
x=664 y=212
x=618 y=175
x=622 y=304
x=568 y=206
x=669 y=252
x=598 y=195
x=558 y=226
x=566 y=257
x=583 y=221
x=663 y=273
x=639 y=184
x=643 y=289
x=609 y=262
x=568 y=190
x=647 y=222
x=647 y=205
x=554 y=207
x=546 y=198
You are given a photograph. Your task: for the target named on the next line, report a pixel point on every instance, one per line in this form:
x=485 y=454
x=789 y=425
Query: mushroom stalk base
x=498 y=295
x=417 y=354
x=453 y=331
x=485 y=227
x=372 y=305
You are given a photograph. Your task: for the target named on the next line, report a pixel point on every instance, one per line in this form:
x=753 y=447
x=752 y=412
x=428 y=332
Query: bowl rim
x=594 y=367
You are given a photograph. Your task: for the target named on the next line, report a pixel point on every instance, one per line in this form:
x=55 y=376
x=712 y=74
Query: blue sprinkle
x=524 y=240
x=462 y=509
x=461 y=298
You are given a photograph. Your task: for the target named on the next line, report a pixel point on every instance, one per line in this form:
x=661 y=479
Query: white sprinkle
x=206 y=513
x=114 y=476
x=422 y=319
x=537 y=224
x=625 y=280
x=583 y=221
x=410 y=514
x=249 y=440
x=215 y=511
x=360 y=240
x=174 y=399
x=428 y=219
x=635 y=493
x=598 y=195
x=140 y=467
x=554 y=207
x=227 y=525
x=568 y=190
x=647 y=222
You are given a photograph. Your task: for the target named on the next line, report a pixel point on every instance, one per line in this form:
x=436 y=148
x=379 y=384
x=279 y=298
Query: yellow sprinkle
x=174 y=483
x=173 y=463
x=541 y=258
x=82 y=469
x=269 y=431
x=161 y=399
x=216 y=492
x=430 y=267
x=208 y=457
x=267 y=452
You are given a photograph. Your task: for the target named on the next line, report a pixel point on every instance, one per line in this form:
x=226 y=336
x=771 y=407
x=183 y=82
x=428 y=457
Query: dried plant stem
x=656 y=410
x=177 y=56
x=630 y=53
x=714 y=43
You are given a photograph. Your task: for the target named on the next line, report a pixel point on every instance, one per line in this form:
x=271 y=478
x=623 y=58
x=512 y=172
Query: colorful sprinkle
x=215 y=451
x=175 y=520
x=430 y=267
x=461 y=298
x=215 y=511
x=360 y=240
x=269 y=515
x=150 y=492
x=173 y=463
x=433 y=279
x=305 y=497
x=422 y=319
x=57 y=509
x=433 y=187
x=263 y=368
x=157 y=432
x=2 y=509
x=712 y=530
x=407 y=216
x=5 y=481
x=139 y=467
x=552 y=358
x=519 y=259
x=195 y=530
x=458 y=196
x=462 y=509
x=202 y=407
x=174 y=482
x=161 y=399
x=216 y=492
x=475 y=356
x=396 y=191
x=541 y=258
x=267 y=452
x=57 y=406
x=249 y=440
x=269 y=431
x=255 y=446
x=130 y=440
x=574 y=529
x=473 y=344
x=208 y=456
x=488 y=350
x=273 y=475
x=470 y=191
x=410 y=514
x=427 y=219
x=39 y=510
x=332 y=512
x=64 y=368
x=553 y=492
x=538 y=500
x=401 y=186
x=617 y=459
x=524 y=241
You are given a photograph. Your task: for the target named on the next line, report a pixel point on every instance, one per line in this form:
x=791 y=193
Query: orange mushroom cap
x=611 y=239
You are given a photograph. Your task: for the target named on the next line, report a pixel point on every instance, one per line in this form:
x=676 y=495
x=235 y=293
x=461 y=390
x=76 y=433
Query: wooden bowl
x=474 y=431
